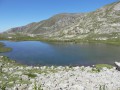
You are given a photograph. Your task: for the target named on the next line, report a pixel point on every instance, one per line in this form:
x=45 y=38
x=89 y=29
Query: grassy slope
x=89 y=39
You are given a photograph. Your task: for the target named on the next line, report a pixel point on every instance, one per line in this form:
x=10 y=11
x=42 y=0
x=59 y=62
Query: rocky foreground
x=14 y=76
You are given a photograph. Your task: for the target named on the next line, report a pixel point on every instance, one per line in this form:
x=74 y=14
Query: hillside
x=102 y=24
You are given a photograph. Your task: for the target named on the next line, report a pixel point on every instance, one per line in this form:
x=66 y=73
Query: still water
x=42 y=53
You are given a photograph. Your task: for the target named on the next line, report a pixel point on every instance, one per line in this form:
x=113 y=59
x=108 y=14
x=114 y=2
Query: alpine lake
x=62 y=54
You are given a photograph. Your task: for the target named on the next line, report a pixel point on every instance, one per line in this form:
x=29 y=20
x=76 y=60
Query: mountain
x=101 y=24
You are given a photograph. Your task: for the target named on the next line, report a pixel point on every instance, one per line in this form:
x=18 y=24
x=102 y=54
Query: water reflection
x=35 y=52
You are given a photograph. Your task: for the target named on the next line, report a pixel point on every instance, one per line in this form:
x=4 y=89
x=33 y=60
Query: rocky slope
x=14 y=76
x=101 y=24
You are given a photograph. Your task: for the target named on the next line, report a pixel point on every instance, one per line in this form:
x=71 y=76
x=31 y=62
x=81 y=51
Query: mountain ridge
x=104 y=23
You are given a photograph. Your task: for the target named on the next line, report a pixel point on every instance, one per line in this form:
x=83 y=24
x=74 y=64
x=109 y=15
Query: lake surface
x=41 y=53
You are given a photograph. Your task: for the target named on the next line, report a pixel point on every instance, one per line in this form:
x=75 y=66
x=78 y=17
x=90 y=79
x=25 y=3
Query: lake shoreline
x=14 y=75
x=4 y=49
x=57 y=78
x=62 y=54
x=27 y=38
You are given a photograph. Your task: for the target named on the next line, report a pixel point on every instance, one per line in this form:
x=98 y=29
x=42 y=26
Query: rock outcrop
x=101 y=24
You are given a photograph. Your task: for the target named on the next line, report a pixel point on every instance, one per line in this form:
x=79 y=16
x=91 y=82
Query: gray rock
x=24 y=77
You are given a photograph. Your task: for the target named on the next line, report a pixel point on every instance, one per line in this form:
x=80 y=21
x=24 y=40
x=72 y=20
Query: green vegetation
x=37 y=87
x=31 y=75
x=92 y=38
x=4 y=49
x=100 y=66
x=7 y=78
x=103 y=87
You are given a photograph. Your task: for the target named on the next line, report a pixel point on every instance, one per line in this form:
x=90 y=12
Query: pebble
x=66 y=78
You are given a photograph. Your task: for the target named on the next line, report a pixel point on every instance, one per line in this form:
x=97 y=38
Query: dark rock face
x=101 y=24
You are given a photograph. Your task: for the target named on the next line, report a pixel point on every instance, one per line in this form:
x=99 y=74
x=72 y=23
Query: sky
x=15 y=13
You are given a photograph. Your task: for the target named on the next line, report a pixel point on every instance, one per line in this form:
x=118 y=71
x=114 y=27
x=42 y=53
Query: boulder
x=117 y=65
